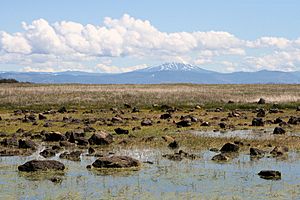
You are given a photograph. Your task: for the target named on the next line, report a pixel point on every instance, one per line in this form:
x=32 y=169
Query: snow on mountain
x=175 y=67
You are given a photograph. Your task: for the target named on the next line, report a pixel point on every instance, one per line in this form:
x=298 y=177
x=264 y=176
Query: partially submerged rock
x=47 y=153
x=116 y=162
x=74 y=155
x=27 y=144
x=270 y=174
x=254 y=152
x=41 y=165
x=229 y=148
x=220 y=157
x=279 y=151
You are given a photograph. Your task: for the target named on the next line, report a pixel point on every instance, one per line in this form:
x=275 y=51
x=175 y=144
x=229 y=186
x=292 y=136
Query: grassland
x=149 y=98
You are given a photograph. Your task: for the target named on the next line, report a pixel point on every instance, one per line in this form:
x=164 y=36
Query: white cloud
x=64 y=44
x=114 y=69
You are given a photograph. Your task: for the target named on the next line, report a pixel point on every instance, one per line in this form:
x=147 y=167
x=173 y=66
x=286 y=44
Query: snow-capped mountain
x=175 y=67
x=165 y=73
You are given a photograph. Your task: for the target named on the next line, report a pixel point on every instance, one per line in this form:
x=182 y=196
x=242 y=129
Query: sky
x=114 y=36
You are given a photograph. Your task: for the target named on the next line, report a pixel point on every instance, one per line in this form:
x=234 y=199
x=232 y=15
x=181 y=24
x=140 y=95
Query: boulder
x=173 y=145
x=229 y=147
x=261 y=101
x=258 y=122
x=278 y=120
x=184 y=123
x=101 y=138
x=116 y=120
x=47 y=153
x=54 y=137
x=62 y=110
x=27 y=144
x=74 y=155
x=146 y=122
x=120 y=131
x=270 y=174
x=41 y=165
x=279 y=130
x=279 y=151
x=166 y=116
x=220 y=158
x=82 y=141
x=205 y=124
x=42 y=117
x=294 y=120
x=116 y=162
x=261 y=113
x=256 y=152
x=222 y=125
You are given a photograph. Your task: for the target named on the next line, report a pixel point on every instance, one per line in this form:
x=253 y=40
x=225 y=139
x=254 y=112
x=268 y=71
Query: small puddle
x=164 y=179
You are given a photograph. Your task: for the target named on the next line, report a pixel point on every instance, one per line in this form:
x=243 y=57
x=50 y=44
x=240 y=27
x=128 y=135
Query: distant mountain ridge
x=165 y=73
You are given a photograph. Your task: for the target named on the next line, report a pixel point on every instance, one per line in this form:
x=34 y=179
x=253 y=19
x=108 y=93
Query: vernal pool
x=164 y=179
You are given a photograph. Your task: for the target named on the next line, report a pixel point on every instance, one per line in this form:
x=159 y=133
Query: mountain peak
x=173 y=66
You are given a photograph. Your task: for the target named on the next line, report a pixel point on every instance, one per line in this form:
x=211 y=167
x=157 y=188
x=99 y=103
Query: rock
x=47 y=124
x=222 y=125
x=278 y=120
x=13 y=141
x=126 y=105
x=41 y=165
x=220 y=158
x=66 y=144
x=74 y=155
x=116 y=162
x=256 y=152
x=294 y=120
x=134 y=110
x=214 y=149
x=230 y=102
x=258 y=122
x=279 y=130
x=184 y=123
x=62 y=110
x=279 y=151
x=298 y=108
x=261 y=101
x=47 y=153
x=205 y=124
x=174 y=157
x=88 y=129
x=81 y=141
x=120 y=131
x=229 y=147
x=116 y=120
x=55 y=180
x=42 y=117
x=190 y=118
x=146 y=122
x=274 y=110
x=166 y=116
x=54 y=137
x=91 y=150
x=270 y=174
x=27 y=144
x=261 y=113
x=173 y=145
x=101 y=138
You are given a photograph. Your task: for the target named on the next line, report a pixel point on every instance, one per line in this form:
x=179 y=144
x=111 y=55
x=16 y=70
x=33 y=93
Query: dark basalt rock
x=294 y=120
x=166 y=116
x=47 y=153
x=270 y=174
x=27 y=144
x=54 y=137
x=116 y=162
x=258 y=122
x=74 y=155
x=220 y=158
x=120 y=131
x=13 y=141
x=261 y=101
x=261 y=113
x=184 y=123
x=41 y=165
x=256 y=152
x=173 y=145
x=279 y=151
x=229 y=147
x=279 y=130
x=278 y=120
x=101 y=138
x=42 y=117
x=222 y=125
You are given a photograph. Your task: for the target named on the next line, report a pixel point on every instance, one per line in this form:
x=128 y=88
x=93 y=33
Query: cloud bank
x=69 y=45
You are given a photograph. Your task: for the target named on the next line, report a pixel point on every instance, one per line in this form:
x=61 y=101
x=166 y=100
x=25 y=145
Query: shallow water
x=165 y=179
x=243 y=134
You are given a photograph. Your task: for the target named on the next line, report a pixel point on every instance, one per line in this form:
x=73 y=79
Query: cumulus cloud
x=115 y=69
x=62 y=44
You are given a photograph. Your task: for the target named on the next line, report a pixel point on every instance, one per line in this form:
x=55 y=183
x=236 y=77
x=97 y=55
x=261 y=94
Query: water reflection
x=164 y=179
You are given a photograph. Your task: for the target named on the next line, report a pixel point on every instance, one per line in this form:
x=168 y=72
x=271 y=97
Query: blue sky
x=219 y=35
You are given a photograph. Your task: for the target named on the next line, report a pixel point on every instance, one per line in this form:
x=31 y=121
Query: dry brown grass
x=142 y=95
